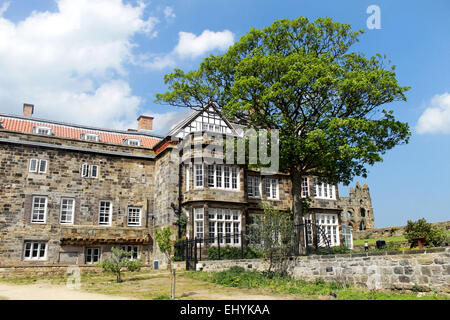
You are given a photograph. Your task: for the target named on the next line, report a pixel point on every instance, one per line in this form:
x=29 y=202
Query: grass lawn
x=240 y=278
x=191 y=285
x=360 y=242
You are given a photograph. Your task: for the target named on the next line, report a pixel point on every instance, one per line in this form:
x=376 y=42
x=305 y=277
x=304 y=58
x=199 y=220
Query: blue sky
x=100 y=62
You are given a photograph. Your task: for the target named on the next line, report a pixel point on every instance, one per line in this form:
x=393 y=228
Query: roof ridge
x=78 y=126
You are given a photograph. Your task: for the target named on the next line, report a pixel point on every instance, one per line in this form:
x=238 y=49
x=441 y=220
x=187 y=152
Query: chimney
x=28 y=109
x=145 y=123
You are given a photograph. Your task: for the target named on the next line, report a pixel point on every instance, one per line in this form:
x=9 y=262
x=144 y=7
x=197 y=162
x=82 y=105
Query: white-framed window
x=220 y=176
x=305 y=187
x=34 y=165
x=271 y=185
x=199 y=223
x=134 y=216
x=133 y=142
x=42 y=166
x=34 y=250
x=90 y=137
x=188 y=171
x=324 y=190
x=42 y=130
x=105 y=213
x=67 y=211
x=39 y=209
x=224 y=226
x=329 y=223
x=92 y=255
x=254 y=186
x=89 y=170
x=198 y=176
x=134 y=250
x=38 y=166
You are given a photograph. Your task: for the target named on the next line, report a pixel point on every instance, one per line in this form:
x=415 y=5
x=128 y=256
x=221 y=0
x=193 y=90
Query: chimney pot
x=145 y=123
x=28 y=109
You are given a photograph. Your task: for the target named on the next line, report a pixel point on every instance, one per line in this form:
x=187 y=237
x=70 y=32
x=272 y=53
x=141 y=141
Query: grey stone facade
x=148 y=179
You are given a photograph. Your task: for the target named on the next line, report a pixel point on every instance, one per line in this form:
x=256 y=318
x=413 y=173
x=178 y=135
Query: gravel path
x=49 y=292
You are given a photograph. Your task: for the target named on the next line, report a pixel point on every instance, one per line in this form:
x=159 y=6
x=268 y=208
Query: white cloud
x=69 y=62
x=4 y=7
x=436 y=118
x=190 y=46
x=169 y=14
x=164 y=122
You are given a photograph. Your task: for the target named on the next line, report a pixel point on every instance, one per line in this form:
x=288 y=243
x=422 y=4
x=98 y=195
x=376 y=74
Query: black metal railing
x=308 y=238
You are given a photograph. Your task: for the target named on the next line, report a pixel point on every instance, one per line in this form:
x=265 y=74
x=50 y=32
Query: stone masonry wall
x=422 y=270
x=124 y=181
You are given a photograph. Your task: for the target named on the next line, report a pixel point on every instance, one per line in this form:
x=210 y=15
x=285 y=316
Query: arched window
x=349 y=214
x=362 y=226
x=363 y=212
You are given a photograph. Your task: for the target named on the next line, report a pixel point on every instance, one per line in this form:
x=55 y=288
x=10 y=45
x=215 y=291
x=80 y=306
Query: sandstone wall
x=422 y=270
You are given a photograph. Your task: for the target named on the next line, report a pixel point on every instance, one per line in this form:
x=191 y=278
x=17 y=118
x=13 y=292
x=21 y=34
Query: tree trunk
x=172 y=291
x=297 y=207
x=118 y=277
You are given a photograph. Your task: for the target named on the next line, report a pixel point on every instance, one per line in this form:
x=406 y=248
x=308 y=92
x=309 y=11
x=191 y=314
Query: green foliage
x=233 y=253
x=118 y=261
x=272 y=233
x=179 y=248
x=434 y=235
x=240 y=278
x=333 y=250
x=304 y=79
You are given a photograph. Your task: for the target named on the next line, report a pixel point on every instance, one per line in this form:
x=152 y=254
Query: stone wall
x=123 y=180
x=422 y=270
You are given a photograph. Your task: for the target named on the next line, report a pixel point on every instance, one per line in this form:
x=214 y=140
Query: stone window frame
x=92 y=255
x=330 y=226
x=199 y=222
x=133 y=224
x=72 y=213
x=30 y=250
x=110 y=213
x=254 y=186
x=39 y=221
x=199 y=174
x=43 y=130
x=89 y=136
x=219 y=176
x=88 y=169
x=324 y=190
x=132 y=142
x=305 y=187
x=136 y=253
x=272 y=193
x=220 y=220
x=40 y=165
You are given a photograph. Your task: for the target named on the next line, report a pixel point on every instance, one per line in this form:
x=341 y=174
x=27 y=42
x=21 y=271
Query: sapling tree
x=119 y=261
x=164 y=239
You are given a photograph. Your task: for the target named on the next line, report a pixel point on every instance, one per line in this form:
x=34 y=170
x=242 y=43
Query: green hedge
x=231 y=253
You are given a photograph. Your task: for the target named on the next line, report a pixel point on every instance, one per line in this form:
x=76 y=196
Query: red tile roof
x=74 y=132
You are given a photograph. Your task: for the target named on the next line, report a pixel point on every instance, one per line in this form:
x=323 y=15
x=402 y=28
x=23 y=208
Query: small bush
x=233 y=253
x=434 y=235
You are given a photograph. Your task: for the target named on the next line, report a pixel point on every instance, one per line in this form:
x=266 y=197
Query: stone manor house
x=68 y=193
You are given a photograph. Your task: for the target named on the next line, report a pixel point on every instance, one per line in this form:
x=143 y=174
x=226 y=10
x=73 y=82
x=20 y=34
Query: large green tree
x=302 y=78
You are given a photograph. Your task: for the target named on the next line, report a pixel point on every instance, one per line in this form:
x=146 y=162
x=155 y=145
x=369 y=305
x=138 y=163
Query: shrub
x=119 y=260
x=434 y=235
x=233 y=253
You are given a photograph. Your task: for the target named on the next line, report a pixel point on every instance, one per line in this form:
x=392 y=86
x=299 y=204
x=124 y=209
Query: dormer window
x=133 y=142
x=42 y=130
x=90 y=137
